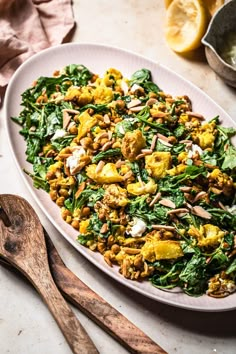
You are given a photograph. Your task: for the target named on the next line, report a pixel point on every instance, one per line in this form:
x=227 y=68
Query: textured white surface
x=26 y=326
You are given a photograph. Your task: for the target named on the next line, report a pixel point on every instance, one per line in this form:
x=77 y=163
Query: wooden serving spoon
x=22 y=244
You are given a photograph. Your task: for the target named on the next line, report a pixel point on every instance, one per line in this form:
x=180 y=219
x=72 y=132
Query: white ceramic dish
x=98 y=58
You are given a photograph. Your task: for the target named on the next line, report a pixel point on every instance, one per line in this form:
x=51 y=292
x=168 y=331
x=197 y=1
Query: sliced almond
x=199 y=211
x=164 y=227
x=100 y=136
x=164 y=142
x=162 y=137
x=107 y=145
x=124 y=87
x=100 y=166
x=199 y=196
x=155 y=199
x=136 y=109
x=185 y=189
x=133 y=103
x=153 y=143
x=66 y=119
x=195 y=114
x=72 y=111
x=168 y=203
x=151 y=101
x=178 y=211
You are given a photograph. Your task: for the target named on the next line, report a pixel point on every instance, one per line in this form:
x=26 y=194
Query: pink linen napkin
x=28 y=26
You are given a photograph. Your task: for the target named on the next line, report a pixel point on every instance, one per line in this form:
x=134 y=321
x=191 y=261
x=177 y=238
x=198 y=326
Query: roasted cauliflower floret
x=205 y=135
x=177 y=170
x=206 y=235
x=102 y=94
x=158 y=163
x=108 y=174
x=111 y=76
x=82 y=95
x=142 y=188
x=86 y=123
x=154 y=250
x=115 y=196
x=132 y=144
x=220 y=182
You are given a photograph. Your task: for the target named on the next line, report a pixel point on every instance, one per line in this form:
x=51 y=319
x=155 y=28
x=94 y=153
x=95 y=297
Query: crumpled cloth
x=27 y=27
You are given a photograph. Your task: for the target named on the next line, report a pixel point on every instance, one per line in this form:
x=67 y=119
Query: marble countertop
x=26 y=326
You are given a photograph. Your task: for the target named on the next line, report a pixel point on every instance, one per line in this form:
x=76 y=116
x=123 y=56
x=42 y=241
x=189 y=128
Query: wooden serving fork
x=96 y=308
x=22 y=244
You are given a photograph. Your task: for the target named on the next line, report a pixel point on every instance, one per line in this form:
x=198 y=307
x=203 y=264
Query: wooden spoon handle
x=75 y=334
x=98 y=309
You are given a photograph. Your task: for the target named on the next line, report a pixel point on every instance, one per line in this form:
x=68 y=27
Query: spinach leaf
x=194 y=276
x=106 y=154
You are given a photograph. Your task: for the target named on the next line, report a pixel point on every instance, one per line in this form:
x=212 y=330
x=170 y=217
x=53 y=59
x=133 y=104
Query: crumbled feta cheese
x=73 y=160
x=193 y=149
x=232 y=209
x=59 y=133
x=138 y=228
x=135 y=87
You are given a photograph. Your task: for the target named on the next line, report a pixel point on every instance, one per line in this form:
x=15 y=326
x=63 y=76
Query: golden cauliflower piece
x=154 y=250
x=205 y=135
x=111 y=76
x=139 y=188
x=132 y=144
x=221 y=182
x=158 y=163
x=177 y=170
x=82 y=95
x=102 y=94
x=207 y=235
x=108 y=174
x=86 y=123
x=115 y=196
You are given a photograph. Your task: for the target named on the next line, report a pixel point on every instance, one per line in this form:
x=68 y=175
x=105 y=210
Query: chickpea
x=53 y=194
x=86 y=142
x=73 y=130
x=120 y=104
x=85 y=211
x=152 y=95
x=60 y=201
x=65 y=213
x=64 y=192
x=75 y=223
x=50 y=175
x=103 y=141
x=101 y=247
x=96 y=146
x=115 y=248
x=110 y=240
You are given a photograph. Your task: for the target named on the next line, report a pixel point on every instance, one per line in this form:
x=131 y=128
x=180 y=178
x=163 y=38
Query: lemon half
x=186 y=23
x=212 y=5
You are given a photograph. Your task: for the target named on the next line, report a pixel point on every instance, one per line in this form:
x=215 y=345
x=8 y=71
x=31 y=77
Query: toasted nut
x=129 y=250
x=164 y=227
x=194 y=114
x=199 y=196
x=151 y=101
x=100 y=166
x=168 y=203
x=155 y=199
x=153 y=143
x=133 y=103
x=104 y=229
x=199 y=211
x=178 y=211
